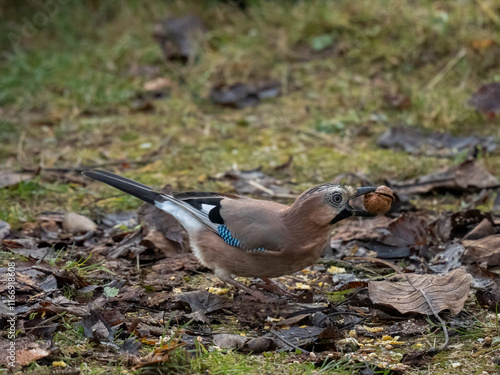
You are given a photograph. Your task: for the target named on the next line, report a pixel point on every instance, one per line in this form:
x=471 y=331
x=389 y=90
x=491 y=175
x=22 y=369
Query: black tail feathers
x=126 y=185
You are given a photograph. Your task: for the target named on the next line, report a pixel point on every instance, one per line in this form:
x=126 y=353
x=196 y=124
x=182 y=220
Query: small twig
x=359 y=290
x=488 y=12
x=376 y=260
x=486 y=351
x=396 y=185
x=285 y=196
x=21 y=155
x=288 y=342
x=261 y=187
x=362 y=318
x=39 y=325
x=351 y=264
x=266 y=190
x=353 y=324
x=442 y=323
x=440 y=75
x=344 y=313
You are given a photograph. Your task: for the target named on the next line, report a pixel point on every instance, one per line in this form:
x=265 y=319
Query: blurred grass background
x=68 y=97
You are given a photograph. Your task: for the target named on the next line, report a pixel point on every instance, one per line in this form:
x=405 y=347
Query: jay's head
x=329 y=203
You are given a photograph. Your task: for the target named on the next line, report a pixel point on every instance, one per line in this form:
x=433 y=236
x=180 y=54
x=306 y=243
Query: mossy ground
x=67 y=99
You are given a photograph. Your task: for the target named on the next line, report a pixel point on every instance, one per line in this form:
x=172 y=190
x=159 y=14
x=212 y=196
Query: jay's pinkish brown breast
x=219 y=256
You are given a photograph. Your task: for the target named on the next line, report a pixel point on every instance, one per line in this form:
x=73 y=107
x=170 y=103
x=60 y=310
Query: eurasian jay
x=240 y=236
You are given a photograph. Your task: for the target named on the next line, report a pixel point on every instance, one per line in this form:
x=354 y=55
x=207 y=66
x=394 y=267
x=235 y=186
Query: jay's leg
x=255 y=293
x=274 y=287
x=225 y=277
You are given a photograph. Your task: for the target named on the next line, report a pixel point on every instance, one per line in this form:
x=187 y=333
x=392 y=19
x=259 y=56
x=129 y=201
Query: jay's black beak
x=363 y=190
x=359 y=192
x=351 y=211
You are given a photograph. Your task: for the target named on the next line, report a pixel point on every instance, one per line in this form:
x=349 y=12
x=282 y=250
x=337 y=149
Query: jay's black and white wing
x=235 y=219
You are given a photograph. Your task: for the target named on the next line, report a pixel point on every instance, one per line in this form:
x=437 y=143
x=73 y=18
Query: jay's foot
x=275 y=288
x=259 y=296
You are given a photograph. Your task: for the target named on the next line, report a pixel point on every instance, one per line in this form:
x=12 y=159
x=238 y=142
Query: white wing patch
x=206 y=207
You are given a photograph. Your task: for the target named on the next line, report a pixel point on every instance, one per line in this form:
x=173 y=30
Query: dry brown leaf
x=74 y=223
x=242 y=95
x=486 y=99
x=415 y=141
x=157 y=84
x=159 y=355
x=443 y=292
x=9 y=178
x=468 y=176
x=365 y=230
x=245 y=344
x=398 y=101
x=26 y=351
x=480 y=44
x=4 y=230
x=486 y=249
x=179 y=36
x=162 y=231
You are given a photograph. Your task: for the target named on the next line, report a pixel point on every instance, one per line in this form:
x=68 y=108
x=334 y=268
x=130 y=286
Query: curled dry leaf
x=410 y=292
x=26 y=350
x=203 y=300
x=158 y=356
x=449 y=259
x=470 y=176
x=298 y=337
x=75 y=223
x=489 y=297
x=417 y=142
x=380 y=201
x=4 y=229
x=485 y=250
x=162 y=231
x=245 y=344
x=242 y=95
x=255 y=182
x=398 y=101
x=487 y=98
x=483 y=229
x=9 y=178
x=179 y=37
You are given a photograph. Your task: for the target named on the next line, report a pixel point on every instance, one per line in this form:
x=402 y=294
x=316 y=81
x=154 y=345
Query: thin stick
x=356 y=292
x=361 y=317
x=375 y=260
x=443 y=325
x=39 y=325
x=488 y=12
x=440 y=75
x=289 y=343
x=269 y=191
x=351 y=264
x=261 y=187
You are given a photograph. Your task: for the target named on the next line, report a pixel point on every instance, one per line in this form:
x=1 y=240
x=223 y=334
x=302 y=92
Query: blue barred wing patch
x=228 y=238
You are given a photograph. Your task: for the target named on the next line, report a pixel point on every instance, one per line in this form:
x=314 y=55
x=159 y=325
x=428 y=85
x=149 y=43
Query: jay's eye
x=336 y=198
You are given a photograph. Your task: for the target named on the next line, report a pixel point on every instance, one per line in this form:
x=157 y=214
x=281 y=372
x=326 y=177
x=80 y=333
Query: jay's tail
x=127 y=185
